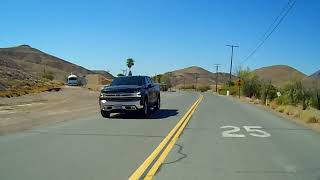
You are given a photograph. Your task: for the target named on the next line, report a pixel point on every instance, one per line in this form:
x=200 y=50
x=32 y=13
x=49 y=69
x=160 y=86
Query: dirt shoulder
x=32 y=110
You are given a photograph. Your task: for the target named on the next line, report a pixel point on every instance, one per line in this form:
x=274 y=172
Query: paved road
x=262 y=146
x=91 y=147
x=284 y=150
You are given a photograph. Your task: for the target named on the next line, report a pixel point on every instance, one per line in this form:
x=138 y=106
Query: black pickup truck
x=130 y=93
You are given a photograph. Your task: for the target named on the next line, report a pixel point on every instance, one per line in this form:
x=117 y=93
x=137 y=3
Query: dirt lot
x=25 y=112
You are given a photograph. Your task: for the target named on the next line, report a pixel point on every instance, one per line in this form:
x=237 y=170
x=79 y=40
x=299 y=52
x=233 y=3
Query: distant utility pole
x=232 y=46
x=124 y=72
x=184 y=81
x=196 y=76
x=217 y=74
x=44 y=67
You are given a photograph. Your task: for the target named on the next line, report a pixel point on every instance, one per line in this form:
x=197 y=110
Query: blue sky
x=164 y=35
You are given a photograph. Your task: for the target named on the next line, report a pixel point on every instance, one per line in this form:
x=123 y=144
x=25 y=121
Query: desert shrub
x=48 y=75
x=312 y=119
x=251 y=84
x=282 y=100
x=272 y=93
x=157 y=78
x=297 y=93
x=280 y=109
x=315 y=100
x=233 y=89
x=273 y=105
x=292 y=110
x=203 y=88
x=166 y=80
x=188 y=87
x=267 y=91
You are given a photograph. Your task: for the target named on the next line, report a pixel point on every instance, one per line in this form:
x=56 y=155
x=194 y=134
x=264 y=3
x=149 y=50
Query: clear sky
x=164 y=35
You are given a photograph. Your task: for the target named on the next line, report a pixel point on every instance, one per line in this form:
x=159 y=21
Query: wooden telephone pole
x=232 y=46
x=217 y=74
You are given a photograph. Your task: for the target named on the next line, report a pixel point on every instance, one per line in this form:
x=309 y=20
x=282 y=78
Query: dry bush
x=312 y=119
x=187 y=86
x=310 y=115
x=203 y=88
x=288 y=110
x=37 y=88
x=273 y=105
x=280 y=109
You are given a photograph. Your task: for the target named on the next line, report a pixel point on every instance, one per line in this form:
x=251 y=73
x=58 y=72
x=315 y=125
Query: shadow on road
x=160 y=114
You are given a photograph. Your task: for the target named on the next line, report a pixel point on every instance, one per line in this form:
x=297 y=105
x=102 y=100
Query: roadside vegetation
x=296 y=98
x=39 y=86
x=48 y=75
x=166 y=80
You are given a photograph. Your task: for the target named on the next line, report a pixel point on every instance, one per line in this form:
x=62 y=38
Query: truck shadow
x=160 y=114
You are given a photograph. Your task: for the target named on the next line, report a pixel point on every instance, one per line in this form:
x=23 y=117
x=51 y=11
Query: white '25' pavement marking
x=234 y=131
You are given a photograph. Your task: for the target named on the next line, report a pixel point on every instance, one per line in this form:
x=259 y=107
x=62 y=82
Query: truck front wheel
x=145 y=109
x=105 y=114
x=157 y=107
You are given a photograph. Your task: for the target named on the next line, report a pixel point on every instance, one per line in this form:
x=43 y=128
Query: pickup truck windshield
x=133 y=80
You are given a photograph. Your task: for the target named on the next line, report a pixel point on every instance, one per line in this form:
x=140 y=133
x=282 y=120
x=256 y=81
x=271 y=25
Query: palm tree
x=130 y=63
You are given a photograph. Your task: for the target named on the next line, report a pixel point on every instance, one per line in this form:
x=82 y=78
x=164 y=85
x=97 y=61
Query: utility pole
x=196 y=76
x=232 y=46
x=124 y=72
x=184 y=80
x=217 y=74
x=44 y=68
x=169 y=80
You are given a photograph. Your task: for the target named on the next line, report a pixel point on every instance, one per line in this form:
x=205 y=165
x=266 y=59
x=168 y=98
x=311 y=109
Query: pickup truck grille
x=120 y=94
x=123 y=99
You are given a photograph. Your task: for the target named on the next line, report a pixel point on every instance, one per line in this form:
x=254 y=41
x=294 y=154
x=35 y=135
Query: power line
x=284 y=9
x=269 y=31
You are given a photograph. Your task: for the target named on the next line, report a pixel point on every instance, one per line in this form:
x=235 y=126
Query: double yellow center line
x=150 y=166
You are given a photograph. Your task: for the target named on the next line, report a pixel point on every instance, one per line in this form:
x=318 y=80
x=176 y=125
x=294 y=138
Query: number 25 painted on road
x=252 y=130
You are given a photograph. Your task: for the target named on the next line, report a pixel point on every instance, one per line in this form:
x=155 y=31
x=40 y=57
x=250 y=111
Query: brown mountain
x=188 y=76
x=315 y=75
x=104 y=73
x=24 y=66
x=12 y=75
x=279 y=75
x=37 y=62
x=312 y=81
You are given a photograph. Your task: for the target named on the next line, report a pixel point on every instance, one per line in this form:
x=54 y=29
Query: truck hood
x=122 y=89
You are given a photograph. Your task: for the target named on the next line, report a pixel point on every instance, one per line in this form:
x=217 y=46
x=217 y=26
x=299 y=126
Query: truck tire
x=157 y=107
x=146 y=109
x=105 y=114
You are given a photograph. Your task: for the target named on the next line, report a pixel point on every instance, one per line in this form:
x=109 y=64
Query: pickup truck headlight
x=103 y=101
x=102 y=95
x=138 y=94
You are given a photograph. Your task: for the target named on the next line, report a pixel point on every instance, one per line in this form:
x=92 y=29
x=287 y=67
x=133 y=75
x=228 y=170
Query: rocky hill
x=104 y=73
x=315 y=75
x=188 y=76
x=24 y=67
x=279 y=75
x=312 y=81
x=38 y=63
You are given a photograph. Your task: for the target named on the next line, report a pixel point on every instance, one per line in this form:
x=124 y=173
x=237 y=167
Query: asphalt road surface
x=225 y=139
x=263 y=146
